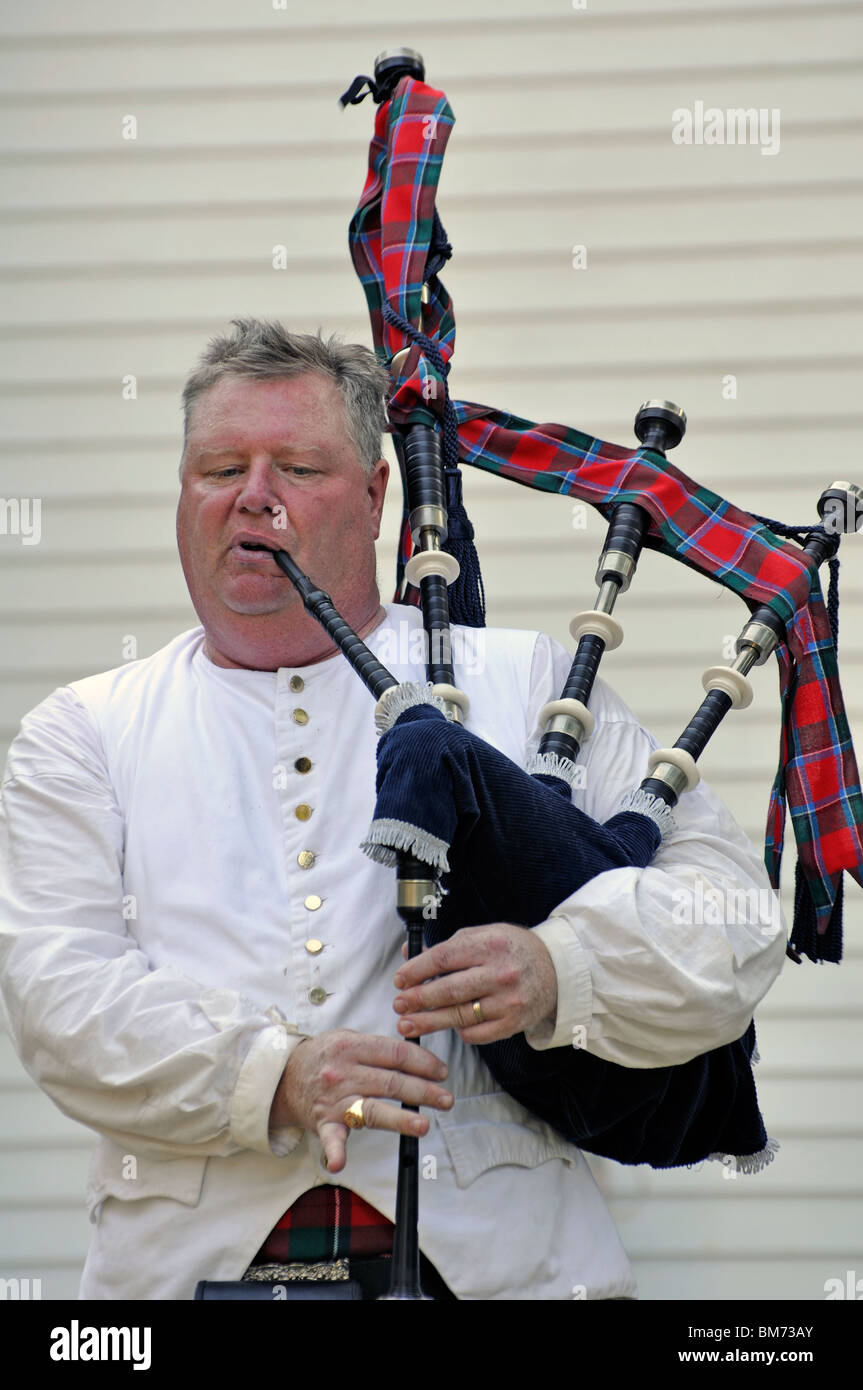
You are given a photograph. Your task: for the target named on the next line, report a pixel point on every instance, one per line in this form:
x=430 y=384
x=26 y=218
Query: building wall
x=119 y=257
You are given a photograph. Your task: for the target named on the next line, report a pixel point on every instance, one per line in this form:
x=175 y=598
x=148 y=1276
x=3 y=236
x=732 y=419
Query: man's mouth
x=255 y=554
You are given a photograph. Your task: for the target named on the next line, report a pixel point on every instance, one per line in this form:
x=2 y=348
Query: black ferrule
x=704 y=723
x=656 y=787
x=408 y=867
x=411 y=867
x=582 y=672
x=435 y=607
x=820 y=546
x=423 y=456
x=405 y=1282
x=371 y=672
x=770 y=618
x=657 y=435
x=426 y=487
x=626 y=532
x=564 y=745
x=579 y=684
x=375 y=676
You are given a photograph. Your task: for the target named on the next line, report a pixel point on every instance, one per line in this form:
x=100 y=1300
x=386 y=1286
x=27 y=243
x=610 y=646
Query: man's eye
x=231 y=469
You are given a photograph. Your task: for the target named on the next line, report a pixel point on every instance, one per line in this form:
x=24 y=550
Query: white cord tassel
x=385 y=837
x=646 y=804
x=552 y=765
x=749 y=1163
x=398 y=698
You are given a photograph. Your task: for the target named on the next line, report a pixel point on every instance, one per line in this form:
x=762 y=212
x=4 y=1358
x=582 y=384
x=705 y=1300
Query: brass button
x=303 y=812
x=296 y=682
x=317 y=995
x=313 y=902
x=314 y=947
x=305 y=858
x=303 y=764
x=299 y=716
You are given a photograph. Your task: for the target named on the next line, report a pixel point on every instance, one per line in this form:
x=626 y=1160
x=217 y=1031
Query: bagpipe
x=488 y=841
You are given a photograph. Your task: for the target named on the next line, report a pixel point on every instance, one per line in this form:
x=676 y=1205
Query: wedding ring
x=477 y=1011
x=353 y=1116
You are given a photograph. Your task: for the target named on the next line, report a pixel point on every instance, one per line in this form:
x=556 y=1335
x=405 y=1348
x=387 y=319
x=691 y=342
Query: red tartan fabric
x=390 y=236
x=390 y=233
x=327 y=1223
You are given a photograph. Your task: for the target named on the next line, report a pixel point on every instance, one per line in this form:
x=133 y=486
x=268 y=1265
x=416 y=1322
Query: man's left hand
x=506 y=968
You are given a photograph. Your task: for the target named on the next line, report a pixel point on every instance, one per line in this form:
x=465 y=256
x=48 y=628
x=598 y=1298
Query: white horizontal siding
x=133 y=173
x=122 y=257
x=518 y=45
x=192 y=240
x=202 y=19
x=272 y=119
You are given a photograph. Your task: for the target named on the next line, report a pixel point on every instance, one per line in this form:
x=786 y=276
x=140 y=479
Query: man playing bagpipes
x=199 y=960
x=202 y=949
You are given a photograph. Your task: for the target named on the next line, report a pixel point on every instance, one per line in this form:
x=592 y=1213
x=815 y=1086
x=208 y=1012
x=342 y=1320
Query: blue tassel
x=466 y=594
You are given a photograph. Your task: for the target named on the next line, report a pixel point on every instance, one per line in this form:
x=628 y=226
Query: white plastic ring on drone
x=574 y=708
x=427 y=562
x=598 y=625
x=679 y=758
x=734 y=683
x=453 y=696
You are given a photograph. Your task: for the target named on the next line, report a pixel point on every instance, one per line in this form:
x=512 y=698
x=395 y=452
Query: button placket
x=298 y=804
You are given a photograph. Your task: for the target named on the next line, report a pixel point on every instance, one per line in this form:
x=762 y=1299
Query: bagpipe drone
x=506 y=843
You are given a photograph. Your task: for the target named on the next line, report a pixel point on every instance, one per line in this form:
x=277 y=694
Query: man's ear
x=377 y=486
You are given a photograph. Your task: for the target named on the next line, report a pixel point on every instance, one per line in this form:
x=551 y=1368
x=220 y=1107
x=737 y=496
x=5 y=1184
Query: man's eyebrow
x=234 y=453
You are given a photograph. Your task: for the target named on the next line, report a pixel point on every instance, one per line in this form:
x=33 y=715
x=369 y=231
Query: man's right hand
x=326 y=1074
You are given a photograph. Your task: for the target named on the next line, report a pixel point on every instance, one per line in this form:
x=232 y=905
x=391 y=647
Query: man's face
x=271 y=461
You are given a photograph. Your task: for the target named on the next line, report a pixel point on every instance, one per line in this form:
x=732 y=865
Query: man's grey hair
x=266 y=351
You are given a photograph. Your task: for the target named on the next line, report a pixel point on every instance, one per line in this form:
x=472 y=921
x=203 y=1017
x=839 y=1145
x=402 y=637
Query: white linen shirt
x=160 y=909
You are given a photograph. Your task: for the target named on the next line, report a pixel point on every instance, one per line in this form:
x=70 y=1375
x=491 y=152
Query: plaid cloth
x=327 y=1223
x=390 y=234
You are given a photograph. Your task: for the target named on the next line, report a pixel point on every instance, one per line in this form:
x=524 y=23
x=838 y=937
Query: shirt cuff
x=574 y=989
x=253 y=1094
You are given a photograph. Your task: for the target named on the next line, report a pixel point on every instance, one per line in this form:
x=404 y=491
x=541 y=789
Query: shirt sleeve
x=144 y=1056
x=655 y=966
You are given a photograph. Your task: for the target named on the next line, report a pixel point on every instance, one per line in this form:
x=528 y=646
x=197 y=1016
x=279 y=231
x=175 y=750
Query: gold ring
x=477 y=1011
x=354 y=1115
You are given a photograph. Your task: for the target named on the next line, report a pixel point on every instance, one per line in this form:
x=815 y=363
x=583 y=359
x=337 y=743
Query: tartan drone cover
x=391 y=233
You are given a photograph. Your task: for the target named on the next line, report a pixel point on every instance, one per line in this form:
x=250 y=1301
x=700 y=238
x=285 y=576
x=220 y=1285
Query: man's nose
x=258 y=493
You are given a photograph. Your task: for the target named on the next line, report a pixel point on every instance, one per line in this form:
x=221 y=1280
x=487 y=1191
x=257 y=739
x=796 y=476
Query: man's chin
x=257 y=595
x=257 y=607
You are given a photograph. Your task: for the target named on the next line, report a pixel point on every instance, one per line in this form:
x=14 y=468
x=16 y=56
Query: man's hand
x=328 y=1073
x=505 y=967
